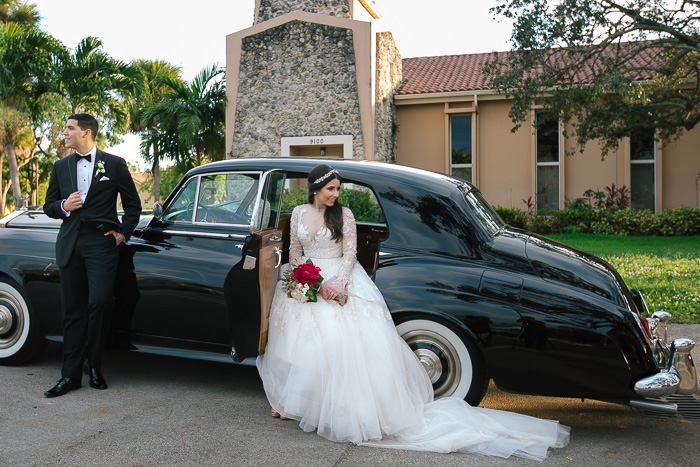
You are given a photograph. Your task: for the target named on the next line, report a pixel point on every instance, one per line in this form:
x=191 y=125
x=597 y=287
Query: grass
x=665 y=269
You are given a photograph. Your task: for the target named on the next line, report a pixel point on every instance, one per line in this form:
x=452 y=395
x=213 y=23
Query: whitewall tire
x=19 y=332
x=453 y=362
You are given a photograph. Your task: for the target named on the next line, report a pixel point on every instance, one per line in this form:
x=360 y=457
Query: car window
x=224 y=198
x=483 y=213
x=268 y=216
x=182 y=207
x=227 y=198
x=359 y=198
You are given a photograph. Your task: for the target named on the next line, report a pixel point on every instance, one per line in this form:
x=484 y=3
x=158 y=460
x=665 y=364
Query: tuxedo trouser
x=87 y=296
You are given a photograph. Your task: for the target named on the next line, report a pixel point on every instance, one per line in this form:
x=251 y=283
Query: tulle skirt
x=346 y=373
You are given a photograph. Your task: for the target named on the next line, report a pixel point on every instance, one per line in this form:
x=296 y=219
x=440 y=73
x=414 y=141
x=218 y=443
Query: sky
x=192 y=34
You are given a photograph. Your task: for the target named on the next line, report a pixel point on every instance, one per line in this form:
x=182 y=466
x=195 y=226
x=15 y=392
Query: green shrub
x=291 y=199
x=608 y=220
x=514 y=217
x=680 y=221
x=628 y=222
x=570 y=221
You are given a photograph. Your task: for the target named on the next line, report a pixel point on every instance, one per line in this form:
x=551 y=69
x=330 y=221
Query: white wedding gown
x=345 y=372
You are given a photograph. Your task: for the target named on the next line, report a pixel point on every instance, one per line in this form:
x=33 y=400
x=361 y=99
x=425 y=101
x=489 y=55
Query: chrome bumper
x=677 y=375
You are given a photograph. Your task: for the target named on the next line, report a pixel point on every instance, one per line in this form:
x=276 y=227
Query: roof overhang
x=370 y=7
x=440 y=97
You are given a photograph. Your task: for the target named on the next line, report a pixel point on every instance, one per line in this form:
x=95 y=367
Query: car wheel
x=20 y=339
x=452 y=360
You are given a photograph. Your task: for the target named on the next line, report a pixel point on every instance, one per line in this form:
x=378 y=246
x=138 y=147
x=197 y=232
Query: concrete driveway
x=172 y=412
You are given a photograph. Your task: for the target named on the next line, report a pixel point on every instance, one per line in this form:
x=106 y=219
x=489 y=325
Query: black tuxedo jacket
x=100 y=204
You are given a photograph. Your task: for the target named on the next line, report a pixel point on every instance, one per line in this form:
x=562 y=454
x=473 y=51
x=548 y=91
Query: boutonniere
x=100 y=168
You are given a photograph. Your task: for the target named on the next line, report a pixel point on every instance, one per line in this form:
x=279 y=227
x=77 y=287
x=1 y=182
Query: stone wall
x=272 y=8
x=297 y=79
x=387 y=82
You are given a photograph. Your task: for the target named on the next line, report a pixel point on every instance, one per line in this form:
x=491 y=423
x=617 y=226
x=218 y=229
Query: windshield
x=483 y=214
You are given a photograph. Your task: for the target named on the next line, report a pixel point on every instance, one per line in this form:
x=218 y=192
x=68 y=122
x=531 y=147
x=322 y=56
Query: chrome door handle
x=275 y=238
x=278 y=252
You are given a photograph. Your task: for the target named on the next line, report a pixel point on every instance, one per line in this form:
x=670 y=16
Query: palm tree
x=190 y=119
x=13 y=11
x=150 y=92
x=26 y=67
x=92 y=81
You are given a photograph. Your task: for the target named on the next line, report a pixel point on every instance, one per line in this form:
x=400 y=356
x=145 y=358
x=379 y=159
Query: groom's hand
x=117 y=236
x=73 y=202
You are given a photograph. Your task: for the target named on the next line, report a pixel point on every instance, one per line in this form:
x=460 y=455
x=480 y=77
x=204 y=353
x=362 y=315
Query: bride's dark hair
x=319 y=177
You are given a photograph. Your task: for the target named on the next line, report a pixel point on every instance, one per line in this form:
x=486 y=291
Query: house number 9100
x=316 y=141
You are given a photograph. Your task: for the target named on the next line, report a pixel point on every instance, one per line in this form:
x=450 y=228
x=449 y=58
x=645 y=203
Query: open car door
x=250 y=285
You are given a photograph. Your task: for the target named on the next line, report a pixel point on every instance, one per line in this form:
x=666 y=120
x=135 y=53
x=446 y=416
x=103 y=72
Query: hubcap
x=439 y=358
x=11 y=321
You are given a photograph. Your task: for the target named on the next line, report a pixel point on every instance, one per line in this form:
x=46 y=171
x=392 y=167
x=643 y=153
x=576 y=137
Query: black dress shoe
x=97 y=381
x=63 y=387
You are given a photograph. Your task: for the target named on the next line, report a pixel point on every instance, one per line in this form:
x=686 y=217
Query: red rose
x=306 y=273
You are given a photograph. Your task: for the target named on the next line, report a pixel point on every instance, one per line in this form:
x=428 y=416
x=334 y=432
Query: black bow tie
x=87 y=157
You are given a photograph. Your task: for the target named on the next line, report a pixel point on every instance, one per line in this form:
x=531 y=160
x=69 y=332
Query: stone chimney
x=268 y=9
x=308 y=80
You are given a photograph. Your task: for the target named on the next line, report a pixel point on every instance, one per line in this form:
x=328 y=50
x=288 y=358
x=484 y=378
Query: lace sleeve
x=295 y=249
x=349 y=247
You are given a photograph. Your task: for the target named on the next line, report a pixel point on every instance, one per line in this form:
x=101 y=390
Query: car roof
x=350 y=169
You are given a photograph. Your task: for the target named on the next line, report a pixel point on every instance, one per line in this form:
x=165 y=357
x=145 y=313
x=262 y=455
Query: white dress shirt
x=84 y=175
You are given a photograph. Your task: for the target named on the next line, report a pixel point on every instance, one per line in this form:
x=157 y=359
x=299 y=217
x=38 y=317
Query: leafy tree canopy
x=610 y=68
x=15 y=11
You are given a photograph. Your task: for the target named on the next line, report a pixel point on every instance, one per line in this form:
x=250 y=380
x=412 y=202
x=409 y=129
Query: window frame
x=469 y=165
x=654 y=162
x=559 y=164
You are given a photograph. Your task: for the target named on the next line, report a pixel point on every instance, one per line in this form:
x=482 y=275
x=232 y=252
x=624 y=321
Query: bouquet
x=302 y=282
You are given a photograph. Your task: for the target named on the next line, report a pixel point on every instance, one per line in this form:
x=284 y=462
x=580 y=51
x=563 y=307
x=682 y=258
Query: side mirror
x=158 y=210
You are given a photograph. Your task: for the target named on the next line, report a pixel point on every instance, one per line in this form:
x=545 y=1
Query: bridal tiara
x=320 y=179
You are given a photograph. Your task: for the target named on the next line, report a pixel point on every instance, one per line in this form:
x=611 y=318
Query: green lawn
x=665 y=269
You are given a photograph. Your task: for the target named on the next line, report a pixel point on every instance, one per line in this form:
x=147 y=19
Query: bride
x=339 y=367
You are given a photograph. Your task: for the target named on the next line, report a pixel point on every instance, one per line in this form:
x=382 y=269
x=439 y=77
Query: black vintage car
x=474 y=298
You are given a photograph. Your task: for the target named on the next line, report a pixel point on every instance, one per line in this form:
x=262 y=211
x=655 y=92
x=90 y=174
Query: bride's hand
x=333 y=290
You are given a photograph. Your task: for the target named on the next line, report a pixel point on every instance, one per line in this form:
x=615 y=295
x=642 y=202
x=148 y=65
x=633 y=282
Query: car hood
x=557 y=262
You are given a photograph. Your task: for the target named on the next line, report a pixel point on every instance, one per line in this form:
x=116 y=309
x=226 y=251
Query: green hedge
x=360 y=201
x=671 y=222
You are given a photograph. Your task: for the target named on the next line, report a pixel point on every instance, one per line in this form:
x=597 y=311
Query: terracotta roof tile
x=448 y=73
x=460 y=73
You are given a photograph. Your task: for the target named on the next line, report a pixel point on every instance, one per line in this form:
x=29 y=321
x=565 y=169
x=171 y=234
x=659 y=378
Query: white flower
x=298 y=296
x=100 y=168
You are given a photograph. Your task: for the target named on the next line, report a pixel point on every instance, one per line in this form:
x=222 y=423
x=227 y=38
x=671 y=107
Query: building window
x=547 y=157
x=643 y=171
x=461 y=146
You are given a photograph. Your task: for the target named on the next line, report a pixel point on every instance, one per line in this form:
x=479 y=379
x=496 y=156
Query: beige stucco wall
x=587 y=170
x=421 y=136
x=504 y=160
x=504 y=163
x=681 y=160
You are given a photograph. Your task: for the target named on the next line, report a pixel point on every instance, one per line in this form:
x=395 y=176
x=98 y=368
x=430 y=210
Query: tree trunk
x=14 y=172
x=3 y=195
x=156 y=179
x=35 y=185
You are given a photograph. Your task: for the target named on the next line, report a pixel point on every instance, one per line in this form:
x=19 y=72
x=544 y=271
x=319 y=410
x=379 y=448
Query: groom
x=83 y=193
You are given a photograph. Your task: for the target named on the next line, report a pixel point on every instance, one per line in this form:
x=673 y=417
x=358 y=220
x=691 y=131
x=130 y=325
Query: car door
x=250 y=285
x=180 y=263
